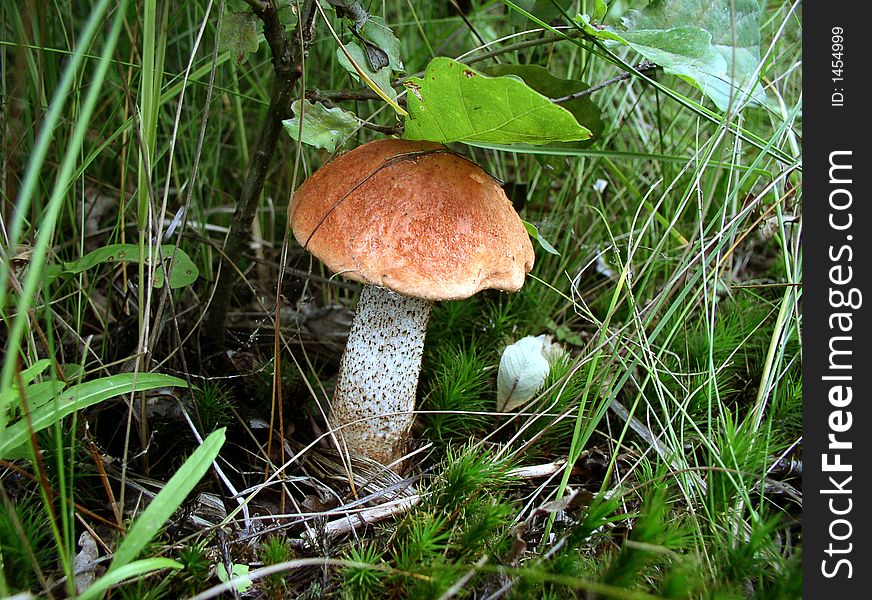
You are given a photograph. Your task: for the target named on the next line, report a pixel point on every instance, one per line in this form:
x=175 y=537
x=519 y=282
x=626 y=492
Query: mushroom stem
x=373 y=406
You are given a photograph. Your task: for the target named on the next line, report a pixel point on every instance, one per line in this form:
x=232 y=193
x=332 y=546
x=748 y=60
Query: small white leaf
x=603 y=267
x=524 y=367
x=600 y=185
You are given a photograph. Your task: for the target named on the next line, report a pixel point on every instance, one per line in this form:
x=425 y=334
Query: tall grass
x=676 y=293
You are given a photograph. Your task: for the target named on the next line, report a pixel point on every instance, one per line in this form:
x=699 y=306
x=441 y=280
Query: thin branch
x=523 y=45
x=328 y=97
x=331 y=96
x=385 y=129
x=642 y=67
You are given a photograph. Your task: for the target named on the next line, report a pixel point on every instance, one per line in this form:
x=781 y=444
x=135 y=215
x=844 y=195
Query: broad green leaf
x=379 y=34
x=162 y=507
x=78 y=397
x=524 y=367
x=683 y=51
x=183 y=272
x=10 y=396
x=533 y=232
x=382 y=77
x=134 y=570
x=39 y=394
x=34 y=370
x=239 y=571
x=696 y=40
x=600 y=10
x=735 y=29
x=30 y=373
x=455 y=103
x=239 y=34
x=322 y=127
x=585 y=111
x=35 y=393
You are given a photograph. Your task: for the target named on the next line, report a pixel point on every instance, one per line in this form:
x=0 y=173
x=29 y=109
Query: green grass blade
x=53 y=209
x=44 y=141
x=79 y=397
x=168 y=500
x=133 y=570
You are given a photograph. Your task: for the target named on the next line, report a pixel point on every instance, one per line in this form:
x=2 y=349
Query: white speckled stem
x=373 y=406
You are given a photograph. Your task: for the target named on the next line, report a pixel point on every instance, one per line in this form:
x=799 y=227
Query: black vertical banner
x=837 y=254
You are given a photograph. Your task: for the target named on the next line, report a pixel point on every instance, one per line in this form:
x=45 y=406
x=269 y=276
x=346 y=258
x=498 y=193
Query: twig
x=331 y=96
x=537 y=471
x=642 y=67
x=367 y=516
x=522 y=45
x=385 y=129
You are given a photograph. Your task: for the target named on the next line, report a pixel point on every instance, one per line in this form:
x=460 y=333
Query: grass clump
x=655 y=534
x=273 y=551
x=364 y=580
x=196 y=568
x=758 y=562
x=464 y=516
x=458 y=398
x=25 y=542
x=213 y=405
x=466 y=472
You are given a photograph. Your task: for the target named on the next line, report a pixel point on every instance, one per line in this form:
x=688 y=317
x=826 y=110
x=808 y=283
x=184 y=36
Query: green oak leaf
x=378 y=33
x=382 y=77
x=683 y=51
x=585 y=111
x=322 y=127
x=735 y=29
x=455 y=103
x=697 y=41
x=239 y=34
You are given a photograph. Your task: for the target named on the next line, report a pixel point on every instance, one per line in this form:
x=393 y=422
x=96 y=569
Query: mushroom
x=416 y=223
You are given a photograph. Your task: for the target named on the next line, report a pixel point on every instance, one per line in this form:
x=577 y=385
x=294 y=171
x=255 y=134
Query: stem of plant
x=287 y=63
x=645 y=65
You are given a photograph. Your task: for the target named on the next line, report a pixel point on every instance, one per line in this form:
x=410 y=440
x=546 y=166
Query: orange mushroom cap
x=414 y=218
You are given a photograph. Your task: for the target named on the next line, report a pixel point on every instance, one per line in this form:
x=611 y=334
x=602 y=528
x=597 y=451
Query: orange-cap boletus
x=416 y=223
